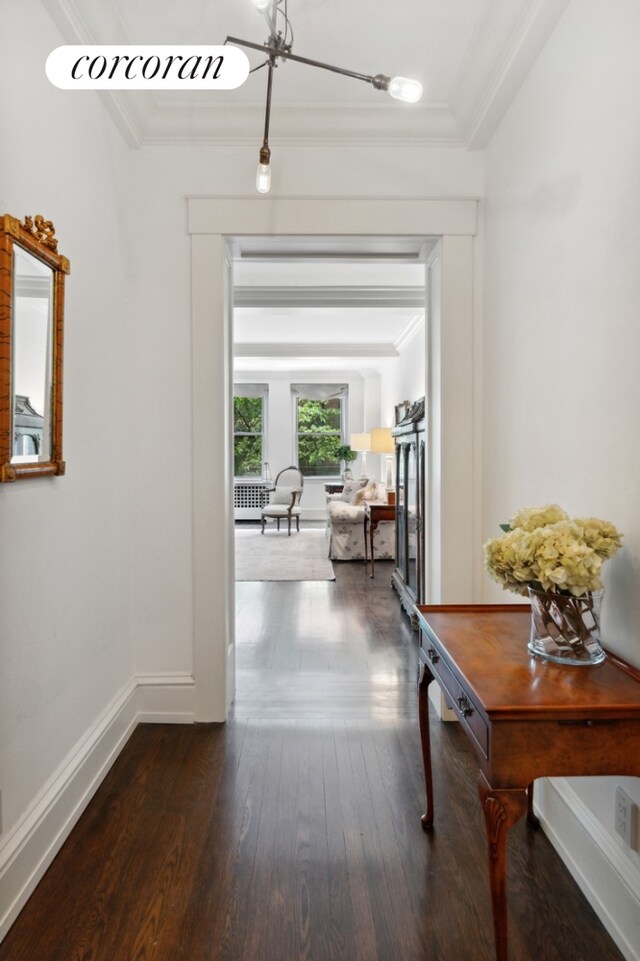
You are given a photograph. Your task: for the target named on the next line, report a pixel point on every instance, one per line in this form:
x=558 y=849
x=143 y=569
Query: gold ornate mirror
x=32 y=276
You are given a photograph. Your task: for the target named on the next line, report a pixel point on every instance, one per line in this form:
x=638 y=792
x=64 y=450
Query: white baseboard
x=609 y=880
x=166 y=698
x=31 y=844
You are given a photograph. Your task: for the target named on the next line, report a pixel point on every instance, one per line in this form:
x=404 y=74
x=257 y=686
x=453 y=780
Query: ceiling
x=326 y=303
x=470 y=55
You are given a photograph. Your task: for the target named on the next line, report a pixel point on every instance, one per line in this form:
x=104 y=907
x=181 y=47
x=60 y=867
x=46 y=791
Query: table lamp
x=361 y=443
x=382 y=443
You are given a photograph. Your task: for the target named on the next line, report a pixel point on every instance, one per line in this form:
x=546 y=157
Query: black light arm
x=265 y=152
x=380 y=82
x=278 y=46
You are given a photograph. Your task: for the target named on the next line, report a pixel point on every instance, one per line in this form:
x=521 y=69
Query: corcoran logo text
x=76 y=67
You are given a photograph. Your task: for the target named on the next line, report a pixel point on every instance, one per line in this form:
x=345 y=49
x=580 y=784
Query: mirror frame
x=37 y=236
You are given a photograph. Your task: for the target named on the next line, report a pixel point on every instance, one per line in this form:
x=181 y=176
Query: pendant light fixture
x=278 y=47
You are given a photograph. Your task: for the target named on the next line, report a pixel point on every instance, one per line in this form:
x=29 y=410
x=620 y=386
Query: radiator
x=248 y=499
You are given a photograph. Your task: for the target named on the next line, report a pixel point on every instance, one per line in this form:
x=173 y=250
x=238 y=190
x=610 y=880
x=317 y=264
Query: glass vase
x=566 y=629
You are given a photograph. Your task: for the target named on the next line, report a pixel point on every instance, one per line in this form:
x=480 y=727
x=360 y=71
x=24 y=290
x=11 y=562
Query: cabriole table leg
x=502 y=808
x=425 y=678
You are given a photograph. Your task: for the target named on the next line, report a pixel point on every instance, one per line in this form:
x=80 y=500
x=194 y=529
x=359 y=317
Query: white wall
x=66 y=569
x=562 y=339
x=403 y=377
x=562 y=391
x=97 y=581
x=162 y=179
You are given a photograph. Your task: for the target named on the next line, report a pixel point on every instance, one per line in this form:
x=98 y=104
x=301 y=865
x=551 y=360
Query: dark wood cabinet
x=408 y=576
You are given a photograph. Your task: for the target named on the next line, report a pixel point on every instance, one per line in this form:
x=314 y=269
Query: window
x=320 y=427
x=249 y=419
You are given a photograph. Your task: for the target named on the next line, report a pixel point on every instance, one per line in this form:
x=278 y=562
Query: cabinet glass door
x=422 y=487
x=400 y=511
x=411 y=519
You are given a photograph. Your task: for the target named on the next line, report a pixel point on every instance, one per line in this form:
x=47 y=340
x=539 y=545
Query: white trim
x=213 y=222
x=328 y=295
x=166 y=698
x=29 y=847
x=480 y=106
x=315 y=350
x=608 y=879
x=230 y=216
x=410 y=329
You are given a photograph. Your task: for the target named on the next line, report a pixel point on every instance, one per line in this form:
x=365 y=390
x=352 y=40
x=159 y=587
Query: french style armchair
x=285 y=499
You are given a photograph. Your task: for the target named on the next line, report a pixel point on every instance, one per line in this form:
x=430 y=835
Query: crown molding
x=410 y=329
x=494 y=73
x=314 y=350
x=507 y=43
x=75 y=29
x=180 y=122
x=328 y=296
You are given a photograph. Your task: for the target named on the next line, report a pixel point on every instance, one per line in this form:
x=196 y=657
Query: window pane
x=319 y=415
x=247 y=414
x=247 y=456
x=317 y=455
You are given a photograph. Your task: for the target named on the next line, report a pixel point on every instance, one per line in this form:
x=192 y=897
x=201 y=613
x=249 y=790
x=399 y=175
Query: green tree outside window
x=248 y=430
x=319 y=437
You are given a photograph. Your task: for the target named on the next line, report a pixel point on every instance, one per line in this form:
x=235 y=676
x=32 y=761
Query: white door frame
x=449 y=399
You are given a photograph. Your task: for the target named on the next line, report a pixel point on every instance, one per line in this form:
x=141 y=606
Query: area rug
x=274 y=556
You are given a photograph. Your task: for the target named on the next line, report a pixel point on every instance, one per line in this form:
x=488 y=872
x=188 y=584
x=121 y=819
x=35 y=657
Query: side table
x=374 y=512
x=525 y=718
x=333 y=487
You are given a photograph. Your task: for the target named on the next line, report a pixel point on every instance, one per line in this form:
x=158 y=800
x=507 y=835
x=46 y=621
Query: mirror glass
x=32 y=358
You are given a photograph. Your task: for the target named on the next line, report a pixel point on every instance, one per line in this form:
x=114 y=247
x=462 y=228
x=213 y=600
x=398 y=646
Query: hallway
x=293 y=832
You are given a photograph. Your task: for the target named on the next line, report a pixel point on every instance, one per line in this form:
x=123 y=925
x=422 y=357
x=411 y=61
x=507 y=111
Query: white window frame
x=254 y=390
x=320 y=392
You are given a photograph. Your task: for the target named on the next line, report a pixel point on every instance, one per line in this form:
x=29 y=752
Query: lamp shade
x=381 y=441
x=360 y=442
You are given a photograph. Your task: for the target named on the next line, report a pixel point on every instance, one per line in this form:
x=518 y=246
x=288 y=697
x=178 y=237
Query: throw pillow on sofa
x=372 y=492
x=350 y=487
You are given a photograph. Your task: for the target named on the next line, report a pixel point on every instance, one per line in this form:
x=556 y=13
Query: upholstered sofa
x=345 y=523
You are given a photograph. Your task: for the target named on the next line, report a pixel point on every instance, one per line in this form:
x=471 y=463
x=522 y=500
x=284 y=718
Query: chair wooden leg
x=298 y=523
x=263 y=519
x=288 y=525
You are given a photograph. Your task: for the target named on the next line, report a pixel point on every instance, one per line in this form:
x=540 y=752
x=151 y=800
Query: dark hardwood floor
x=293 y=832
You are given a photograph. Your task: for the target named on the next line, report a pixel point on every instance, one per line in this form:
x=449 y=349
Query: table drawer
x=463 y=704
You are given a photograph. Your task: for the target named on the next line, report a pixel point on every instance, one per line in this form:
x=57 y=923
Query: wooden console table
x=374 y=513
x=525 y=718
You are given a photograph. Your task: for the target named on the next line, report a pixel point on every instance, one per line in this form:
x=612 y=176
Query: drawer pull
x=465 y=707
x=433 y=655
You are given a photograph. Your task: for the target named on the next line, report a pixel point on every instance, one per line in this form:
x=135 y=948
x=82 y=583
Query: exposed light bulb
x=403 y=89
x=263 y=178
x=261 y=5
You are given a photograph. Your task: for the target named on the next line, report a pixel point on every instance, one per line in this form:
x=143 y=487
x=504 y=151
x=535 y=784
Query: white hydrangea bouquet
x=557 y=560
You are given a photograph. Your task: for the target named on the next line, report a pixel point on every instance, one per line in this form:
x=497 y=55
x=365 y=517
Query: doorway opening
x=328 y=337
x=213 y=224
x=328 y=341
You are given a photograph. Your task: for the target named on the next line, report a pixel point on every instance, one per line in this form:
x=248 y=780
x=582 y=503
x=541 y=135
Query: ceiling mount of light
x=278 y=47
